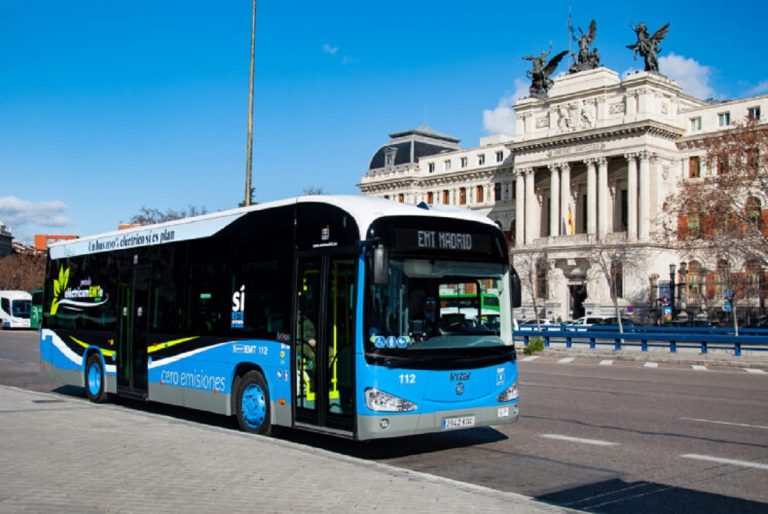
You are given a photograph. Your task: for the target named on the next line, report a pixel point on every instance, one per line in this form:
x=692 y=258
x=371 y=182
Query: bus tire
x=94 y=379
x=252 y=404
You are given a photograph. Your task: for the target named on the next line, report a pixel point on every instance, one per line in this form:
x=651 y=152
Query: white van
x=15 y=309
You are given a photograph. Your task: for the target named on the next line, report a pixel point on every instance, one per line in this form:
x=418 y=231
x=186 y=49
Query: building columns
x=631 y=196
x=591 y=195
x=645 y=194
x=520 y=208
x=565 y=195
x=530 y=205
x=603 y=214
x=554 y=200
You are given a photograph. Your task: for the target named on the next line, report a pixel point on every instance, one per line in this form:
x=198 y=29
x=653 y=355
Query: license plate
x=460 y=422
x=502 y=412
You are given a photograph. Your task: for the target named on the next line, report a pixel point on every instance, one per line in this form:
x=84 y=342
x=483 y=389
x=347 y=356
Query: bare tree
x=150 y=216
x=611 y=262
x=313 y=190
x=23 y=271
x=530 y=266
x=721 y=216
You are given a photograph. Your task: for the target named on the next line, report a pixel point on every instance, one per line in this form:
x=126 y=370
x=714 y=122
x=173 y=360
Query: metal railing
x=703 y=339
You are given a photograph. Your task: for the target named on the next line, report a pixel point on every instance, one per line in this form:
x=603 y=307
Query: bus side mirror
x=380 y=266
x=517 y=293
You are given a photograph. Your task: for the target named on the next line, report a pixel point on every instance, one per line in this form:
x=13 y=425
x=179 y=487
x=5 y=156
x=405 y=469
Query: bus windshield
x=407 y=313
x=21 y=308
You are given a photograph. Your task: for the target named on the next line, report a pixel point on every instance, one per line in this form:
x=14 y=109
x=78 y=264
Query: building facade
x=587 y=172
x=6 y=240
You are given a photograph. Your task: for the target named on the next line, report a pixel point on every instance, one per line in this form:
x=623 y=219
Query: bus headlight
x=384 y=402
x=509 y=394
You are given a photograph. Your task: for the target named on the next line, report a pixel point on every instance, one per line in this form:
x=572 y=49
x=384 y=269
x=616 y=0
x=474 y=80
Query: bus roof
x=365 y=210
x=15 y=295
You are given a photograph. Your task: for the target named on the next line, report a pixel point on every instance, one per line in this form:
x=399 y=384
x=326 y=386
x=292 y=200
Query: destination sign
x=441 y=240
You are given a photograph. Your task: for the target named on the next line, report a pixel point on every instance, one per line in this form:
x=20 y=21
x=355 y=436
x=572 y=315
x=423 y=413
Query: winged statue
x=541 y=70
x=586 y=59
x=648 y=46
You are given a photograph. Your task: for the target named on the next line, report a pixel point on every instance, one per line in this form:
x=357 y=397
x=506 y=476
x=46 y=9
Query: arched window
x=754 y=279
x=721 y=277
x=479 y=194
x=754 y=210
x=695 y=281
x=617 y=278
x=541 y=279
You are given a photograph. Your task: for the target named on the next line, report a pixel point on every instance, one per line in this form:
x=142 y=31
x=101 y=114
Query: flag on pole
x=571 y=224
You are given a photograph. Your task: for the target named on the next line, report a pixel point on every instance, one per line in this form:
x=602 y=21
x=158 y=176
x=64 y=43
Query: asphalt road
x=594 y=436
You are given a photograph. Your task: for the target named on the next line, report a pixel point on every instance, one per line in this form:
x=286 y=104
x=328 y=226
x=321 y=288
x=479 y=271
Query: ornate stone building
x=590 y=166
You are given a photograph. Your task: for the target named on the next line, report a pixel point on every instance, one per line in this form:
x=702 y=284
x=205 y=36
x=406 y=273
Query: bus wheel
x=94 y=379
x=252 y=404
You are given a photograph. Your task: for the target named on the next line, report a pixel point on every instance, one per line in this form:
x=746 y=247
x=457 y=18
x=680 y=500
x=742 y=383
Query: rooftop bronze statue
x=586 y=59
x=648 y=46
x=541 y=70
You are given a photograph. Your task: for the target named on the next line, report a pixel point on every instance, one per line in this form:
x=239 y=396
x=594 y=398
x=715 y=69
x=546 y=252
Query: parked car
x=583 y=323
x=701 y=323
x=532 y=324
x=625 y=322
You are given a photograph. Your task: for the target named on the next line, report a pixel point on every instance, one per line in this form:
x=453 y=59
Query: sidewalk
x=62 y=454
x=684 y=356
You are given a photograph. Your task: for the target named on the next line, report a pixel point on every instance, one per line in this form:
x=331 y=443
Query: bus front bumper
x=398 y=425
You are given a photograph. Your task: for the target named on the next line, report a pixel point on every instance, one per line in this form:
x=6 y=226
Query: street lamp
x=672 y=269
x=683 y=285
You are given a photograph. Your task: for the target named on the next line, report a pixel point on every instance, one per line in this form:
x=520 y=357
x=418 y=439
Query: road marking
x=732 y=462
x=651 y=365
x=606 y=363
x=566 y=360
x=530 y=358
x=699 y=367
x=755 y=371
x=595 y=442
x=731 y=423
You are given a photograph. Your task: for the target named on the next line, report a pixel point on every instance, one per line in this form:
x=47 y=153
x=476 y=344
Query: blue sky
x=107 y=107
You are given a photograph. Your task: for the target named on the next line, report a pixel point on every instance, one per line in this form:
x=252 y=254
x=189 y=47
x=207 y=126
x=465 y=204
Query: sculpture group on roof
x=588 y=58
x=540 y=71
x=648 y=46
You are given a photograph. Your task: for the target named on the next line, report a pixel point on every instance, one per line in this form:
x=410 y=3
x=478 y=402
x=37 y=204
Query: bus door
x=133 y=292
x=324 y=314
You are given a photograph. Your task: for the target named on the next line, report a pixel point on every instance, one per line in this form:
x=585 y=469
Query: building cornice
x=638 y=128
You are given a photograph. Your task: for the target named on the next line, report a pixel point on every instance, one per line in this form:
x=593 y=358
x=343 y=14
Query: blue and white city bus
x=318 y=312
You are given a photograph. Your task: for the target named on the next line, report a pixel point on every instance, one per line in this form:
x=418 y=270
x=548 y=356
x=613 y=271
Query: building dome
x=409 y=146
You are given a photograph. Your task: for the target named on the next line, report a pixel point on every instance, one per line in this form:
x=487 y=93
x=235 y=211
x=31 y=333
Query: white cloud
x=692 y=76
x=760 y=88
x=16 y=213
x=501 y=120
x=330 y=50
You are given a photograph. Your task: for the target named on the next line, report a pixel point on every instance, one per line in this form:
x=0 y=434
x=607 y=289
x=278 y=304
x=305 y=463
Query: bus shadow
x=378 y=449
x=617 y=496
x=173 y=411
x=393 y=448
